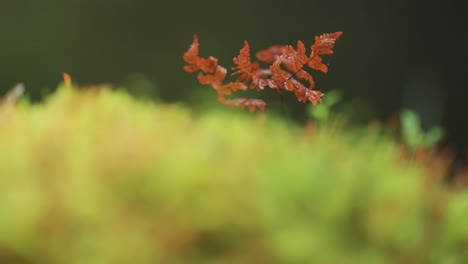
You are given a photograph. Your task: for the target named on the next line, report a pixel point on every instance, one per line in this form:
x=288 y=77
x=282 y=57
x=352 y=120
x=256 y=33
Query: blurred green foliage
x=140 y=86
x=322 y=112
x=95 y=176
x=414 y=136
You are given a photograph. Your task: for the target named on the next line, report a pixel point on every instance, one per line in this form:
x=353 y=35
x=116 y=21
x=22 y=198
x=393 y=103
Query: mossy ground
x=95 y=176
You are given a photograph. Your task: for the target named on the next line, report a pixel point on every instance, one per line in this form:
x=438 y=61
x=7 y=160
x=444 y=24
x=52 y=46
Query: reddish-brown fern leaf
x=323 y=46
x=214 y=75
x=286 y=71
x=196 y=63
x=242 y=103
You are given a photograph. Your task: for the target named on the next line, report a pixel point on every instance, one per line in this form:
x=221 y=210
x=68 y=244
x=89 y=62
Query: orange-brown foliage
x=285 y=71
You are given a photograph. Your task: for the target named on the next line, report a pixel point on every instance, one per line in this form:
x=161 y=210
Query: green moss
x=95 y=176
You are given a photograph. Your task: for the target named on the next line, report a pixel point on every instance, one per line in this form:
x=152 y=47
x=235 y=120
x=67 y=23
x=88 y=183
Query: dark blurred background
x=394 y=54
